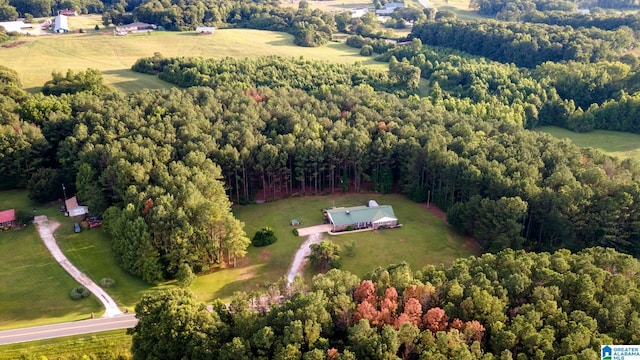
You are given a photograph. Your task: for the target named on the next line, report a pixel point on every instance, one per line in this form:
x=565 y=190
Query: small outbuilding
x=73 y=209
x=205 y=30
x=60 y=24
x=7 y=219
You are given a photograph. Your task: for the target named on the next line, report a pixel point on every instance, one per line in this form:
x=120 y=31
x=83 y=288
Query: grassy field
x=615 y=143
x=104 y=345
x=38 y=57
x=35 y=287
x=423 y=239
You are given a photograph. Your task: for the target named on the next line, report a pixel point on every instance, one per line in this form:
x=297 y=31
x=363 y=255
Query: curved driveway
x=46 y=229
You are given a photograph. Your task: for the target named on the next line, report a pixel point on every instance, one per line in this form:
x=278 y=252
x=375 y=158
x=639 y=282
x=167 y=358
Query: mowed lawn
x=103 y=345
x=615 y=143
x=423 y=239
x=35 y=289
x=38 y=57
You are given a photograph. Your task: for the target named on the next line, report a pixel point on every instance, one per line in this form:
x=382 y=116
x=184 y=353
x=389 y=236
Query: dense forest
x=511 y=305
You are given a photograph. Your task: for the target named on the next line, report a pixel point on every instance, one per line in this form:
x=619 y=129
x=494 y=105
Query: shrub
x=349 y=228
x=350 y=248
x=79 y=292
x=366 y=50
x=185 y=275
x=295 y=232
x=107 y=282
x=264 y=237
x=96 y=28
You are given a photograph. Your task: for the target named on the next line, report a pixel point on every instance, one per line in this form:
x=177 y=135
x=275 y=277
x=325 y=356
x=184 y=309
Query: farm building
x=205 y=29
x=60 y=24
x=68 y=12
x=134 y=27
x=73 y=209
x=373 y=216
x=7 y=219
x=389 y=8
x=16 y=26
x=358 y=13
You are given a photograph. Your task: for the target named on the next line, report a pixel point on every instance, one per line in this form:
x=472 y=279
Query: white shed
x=205 y=29
x=60 y=24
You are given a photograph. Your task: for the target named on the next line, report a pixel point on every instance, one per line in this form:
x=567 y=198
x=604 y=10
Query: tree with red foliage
x=473 y=331
x=436 y=320
x=412 y=313
x=388 y=306
x=365 y=292
x=366 y=310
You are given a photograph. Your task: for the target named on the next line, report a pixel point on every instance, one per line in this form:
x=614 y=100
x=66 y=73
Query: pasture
x=38 y=57
x=615 y=143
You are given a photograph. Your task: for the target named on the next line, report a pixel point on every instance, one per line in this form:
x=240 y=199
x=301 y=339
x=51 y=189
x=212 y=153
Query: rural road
x=46 y=229
x=67 y=329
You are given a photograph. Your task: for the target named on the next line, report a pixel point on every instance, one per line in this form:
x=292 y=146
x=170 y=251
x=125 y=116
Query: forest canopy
x=507 y=305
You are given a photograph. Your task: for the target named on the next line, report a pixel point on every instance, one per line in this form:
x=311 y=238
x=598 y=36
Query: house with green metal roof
x=362 y=217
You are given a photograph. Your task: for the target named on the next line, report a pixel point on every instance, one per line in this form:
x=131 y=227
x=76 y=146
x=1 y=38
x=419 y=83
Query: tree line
x=509 y=305
x=277 y=72
x=526 y=44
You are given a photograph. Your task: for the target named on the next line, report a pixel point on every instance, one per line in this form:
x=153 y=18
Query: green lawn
x=35 y=287
x=38 y=57
x=423 y=239
x=103 y=345
x=615 y=143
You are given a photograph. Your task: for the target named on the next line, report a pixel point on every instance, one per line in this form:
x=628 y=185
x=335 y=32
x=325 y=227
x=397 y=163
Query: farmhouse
x=373 y=216
x=205 y=29
x=389 y=8
x=358 y=13
x=68 y=12
x=73 y=209
x=7 y=219
x=60 y=24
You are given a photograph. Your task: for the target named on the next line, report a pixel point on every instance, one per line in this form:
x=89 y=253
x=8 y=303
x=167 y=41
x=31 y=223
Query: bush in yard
x=294 y=232
x=79 y=292
x=264 y=237
x=107 y=282
x=185 y=275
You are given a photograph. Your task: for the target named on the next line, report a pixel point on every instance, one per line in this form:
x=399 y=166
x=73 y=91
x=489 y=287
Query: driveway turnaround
x=46 y=229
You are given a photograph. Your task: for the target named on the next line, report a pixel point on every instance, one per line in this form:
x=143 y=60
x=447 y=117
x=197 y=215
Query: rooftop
x=361 y=214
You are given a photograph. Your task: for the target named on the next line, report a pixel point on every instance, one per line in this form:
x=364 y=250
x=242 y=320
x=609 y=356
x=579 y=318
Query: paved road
x=67 y=329
x=46 y=229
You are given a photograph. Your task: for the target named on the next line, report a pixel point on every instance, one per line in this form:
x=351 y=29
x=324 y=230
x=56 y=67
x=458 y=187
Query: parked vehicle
x=76 y=228
x=95 y=223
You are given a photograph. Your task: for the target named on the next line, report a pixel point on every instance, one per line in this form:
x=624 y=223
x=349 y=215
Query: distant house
x=68 y=12
x=17 y=26
x=358 y=13
x=389 y=8
x=73 y=209
x=205 y=29
x=362 y=217
x=7 y=219
x=60 y=24
x=134 y=27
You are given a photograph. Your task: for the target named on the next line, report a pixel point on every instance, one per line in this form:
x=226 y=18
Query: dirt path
x=300 y=259
x=46 y=229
